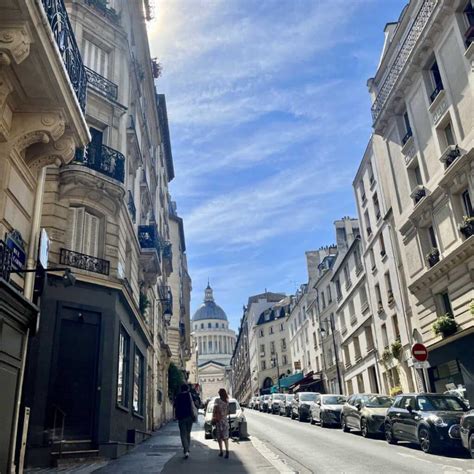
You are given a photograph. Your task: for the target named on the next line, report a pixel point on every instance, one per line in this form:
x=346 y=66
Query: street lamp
x=323 y=332
x=275 y=362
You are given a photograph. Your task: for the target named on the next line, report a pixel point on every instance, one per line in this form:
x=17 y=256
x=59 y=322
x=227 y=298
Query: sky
x=269 y=118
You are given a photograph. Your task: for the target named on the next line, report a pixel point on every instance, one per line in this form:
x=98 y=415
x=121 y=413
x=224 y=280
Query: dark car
x=467 y=432
x=301 y=405
x=285 y=405
x=365 y=412
x=327 y=410
x=275 y=402
x=265 y=403
x=429 y=419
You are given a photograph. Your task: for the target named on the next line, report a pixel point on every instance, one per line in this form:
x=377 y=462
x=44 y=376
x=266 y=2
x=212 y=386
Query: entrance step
x=72 y=457
x=73 y=445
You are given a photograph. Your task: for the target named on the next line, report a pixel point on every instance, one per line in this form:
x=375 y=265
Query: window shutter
x=91 y=235
x=74 y=237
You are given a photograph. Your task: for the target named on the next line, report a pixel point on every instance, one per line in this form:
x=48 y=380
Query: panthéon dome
x=209 y=309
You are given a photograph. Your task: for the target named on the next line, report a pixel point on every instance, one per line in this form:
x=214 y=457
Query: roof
x=211 y=362
x=277 y=311
x=209 y=309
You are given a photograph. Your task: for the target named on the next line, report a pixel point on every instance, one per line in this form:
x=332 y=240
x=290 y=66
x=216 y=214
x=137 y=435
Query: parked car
x=327 y=409
x=301 y=405
x=265 y=403
x=275 y=402
x=285 y=405
x=251 y=402
x=365 y=412
x=431 y=420
x=258 y=401
x=467 y=432
x=238 y=423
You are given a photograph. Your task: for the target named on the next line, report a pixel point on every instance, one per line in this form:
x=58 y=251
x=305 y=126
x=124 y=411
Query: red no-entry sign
x=419 y=352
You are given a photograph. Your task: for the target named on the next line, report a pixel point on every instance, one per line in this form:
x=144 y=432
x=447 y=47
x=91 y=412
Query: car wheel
x=470 y=445
x=389 y=436
x=364 y=429
x=344 y=425
x=321 y=421
x=300 y=418
x=311 y=420
x=426 y=441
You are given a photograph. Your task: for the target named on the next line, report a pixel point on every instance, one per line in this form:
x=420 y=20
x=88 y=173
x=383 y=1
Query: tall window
x=372 y=259
x=338 y=289
x=283 y=344
x=123 y=368
x=449 y=135
x=388 y=285
x=446 y=303
x=347 y=276
x=323 y=299
x=328 y=290
x=367 y=223
x=432 y=237
x=369 y=338
x=83 y=231
x=408 y=132
x=272 y=347
x=382 y=246
x=357 y=348
x=384 y=335
x=467 y=204
x=138 y=386
x=262 y=350
x=396 y=329
x=375 y=201
x=436 y=80
x=95 y=58
x=284 y=359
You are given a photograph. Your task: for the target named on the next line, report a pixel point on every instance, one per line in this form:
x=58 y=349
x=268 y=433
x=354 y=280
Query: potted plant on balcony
x=397 y=349
x=433 y=256
x=144 y=303
x=467 y=227
x=387 y=356
x=445 y=325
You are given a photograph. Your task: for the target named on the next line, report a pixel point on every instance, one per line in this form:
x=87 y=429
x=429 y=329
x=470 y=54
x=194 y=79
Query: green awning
x=285 y=382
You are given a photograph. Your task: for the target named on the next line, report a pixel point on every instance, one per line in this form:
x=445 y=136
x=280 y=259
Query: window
x=272 y=347
x=347 y=356
x=367 y=223
x=261 y=333
x=363 y=297
x=363 y=197
x=417 y=176
x=352 y=313
x=347 y=276
x=123 y=368
x=357 y=348
x=350 y=389
x=328 y=291
x=342 y=317
x=264 y=365
x=306 y=336
x=360 y=383
x=202 y=325
x=217 y=325
x=315 y=341
x=449 y=135
x=369 y=338
x=432 y=237
x=396 y=329
x=271 y=329
x=436 y=81
x=283 y=344
x=95 y=58
x=84 y=231
x=284 y=359
x=469 y=16
x=408 y=132
x=209 y=325
x=388 y=286
x=384 y=335
x=446 y=303
x=378 y=295
x=338 y=289
x=138 y=386
x=371 y=173
x=262 y=350
x=372 y=259
x=357 y=260
x=467 y=204
x=375 y=201
x=382 y=246
x=282 y=328
x=323 y=300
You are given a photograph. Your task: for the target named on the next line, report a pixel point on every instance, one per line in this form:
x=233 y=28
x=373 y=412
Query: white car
x=238 y=423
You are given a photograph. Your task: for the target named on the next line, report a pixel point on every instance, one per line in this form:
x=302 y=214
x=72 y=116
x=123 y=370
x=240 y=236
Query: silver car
x=275 y=402
x=285 y=405
x=327 y=410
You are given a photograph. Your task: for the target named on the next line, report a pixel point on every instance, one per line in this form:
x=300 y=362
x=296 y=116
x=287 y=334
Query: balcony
x=84 y=262
x=407 y=136
x=418 y=194
x=5 y=261
x=433 y=257
x=101 y=7
x=451 y=154
x=150 y=256
x=406 y=49
x=58 y=20
x=131 y=206
x=437 y=90
x=101 y=84
x=166 y=297
x=103 y=159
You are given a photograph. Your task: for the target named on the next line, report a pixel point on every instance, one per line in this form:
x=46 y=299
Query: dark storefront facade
x=452 y=365
x=85 y=380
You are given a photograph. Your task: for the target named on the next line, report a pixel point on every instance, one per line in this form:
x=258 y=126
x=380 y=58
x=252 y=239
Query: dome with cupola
x=209 y=309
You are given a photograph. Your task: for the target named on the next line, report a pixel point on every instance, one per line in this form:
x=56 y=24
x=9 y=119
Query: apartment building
x=240 y=363
x=106 y=215
x=422 y=109
x=273 y=348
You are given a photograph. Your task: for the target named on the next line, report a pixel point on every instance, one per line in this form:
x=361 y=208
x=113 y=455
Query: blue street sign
x=18 y=252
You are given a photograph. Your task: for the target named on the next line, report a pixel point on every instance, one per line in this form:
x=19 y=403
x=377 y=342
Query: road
x=309 y=448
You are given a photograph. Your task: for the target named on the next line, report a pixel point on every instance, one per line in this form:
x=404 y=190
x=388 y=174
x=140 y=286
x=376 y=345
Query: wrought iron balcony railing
x=149 y=238
x=63 y=34
x=84 y=262
x=407 y=137
x=131 y=207
x=103 y=159
x=101 y=84
x=417 y=28
x=5 y=261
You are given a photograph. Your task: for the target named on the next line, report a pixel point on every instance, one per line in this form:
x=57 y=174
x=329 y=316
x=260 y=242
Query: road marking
x=271 y=457
x=446 y=467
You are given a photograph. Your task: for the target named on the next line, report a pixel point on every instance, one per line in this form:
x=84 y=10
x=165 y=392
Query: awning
x=286 y=382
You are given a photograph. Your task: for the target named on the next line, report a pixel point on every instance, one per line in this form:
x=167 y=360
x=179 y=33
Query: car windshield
x=334 y=400
x=440 y=403
x=307 y=397
x=278 y=397
x=375 y=401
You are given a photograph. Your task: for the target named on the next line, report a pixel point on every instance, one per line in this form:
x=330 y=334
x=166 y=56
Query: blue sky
x=269 y=117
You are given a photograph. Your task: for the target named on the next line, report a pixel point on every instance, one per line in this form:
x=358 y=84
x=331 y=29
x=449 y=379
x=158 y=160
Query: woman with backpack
x=220 y=419
x=186 y=413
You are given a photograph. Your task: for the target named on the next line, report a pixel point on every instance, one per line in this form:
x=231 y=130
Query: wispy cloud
x=269 y=117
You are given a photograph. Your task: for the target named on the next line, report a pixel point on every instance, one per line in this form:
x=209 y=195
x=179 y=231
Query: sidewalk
x=162 y=453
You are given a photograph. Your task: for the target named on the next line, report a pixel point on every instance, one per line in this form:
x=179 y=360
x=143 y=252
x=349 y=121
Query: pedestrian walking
x=186 y=414
x=220 y=416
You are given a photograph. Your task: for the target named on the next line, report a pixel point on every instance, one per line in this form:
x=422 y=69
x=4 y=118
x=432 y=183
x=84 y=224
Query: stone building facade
x=423 y=98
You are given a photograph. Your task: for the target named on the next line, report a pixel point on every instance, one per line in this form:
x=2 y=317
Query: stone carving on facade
x=14 y=44
x=56 y=153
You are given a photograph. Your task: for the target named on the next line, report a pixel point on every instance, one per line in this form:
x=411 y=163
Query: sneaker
x=186 y=455
x=221 y=454
x=227 y=455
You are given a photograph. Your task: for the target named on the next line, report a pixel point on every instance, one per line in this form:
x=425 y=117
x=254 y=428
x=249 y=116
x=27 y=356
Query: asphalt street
x=309 y=448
